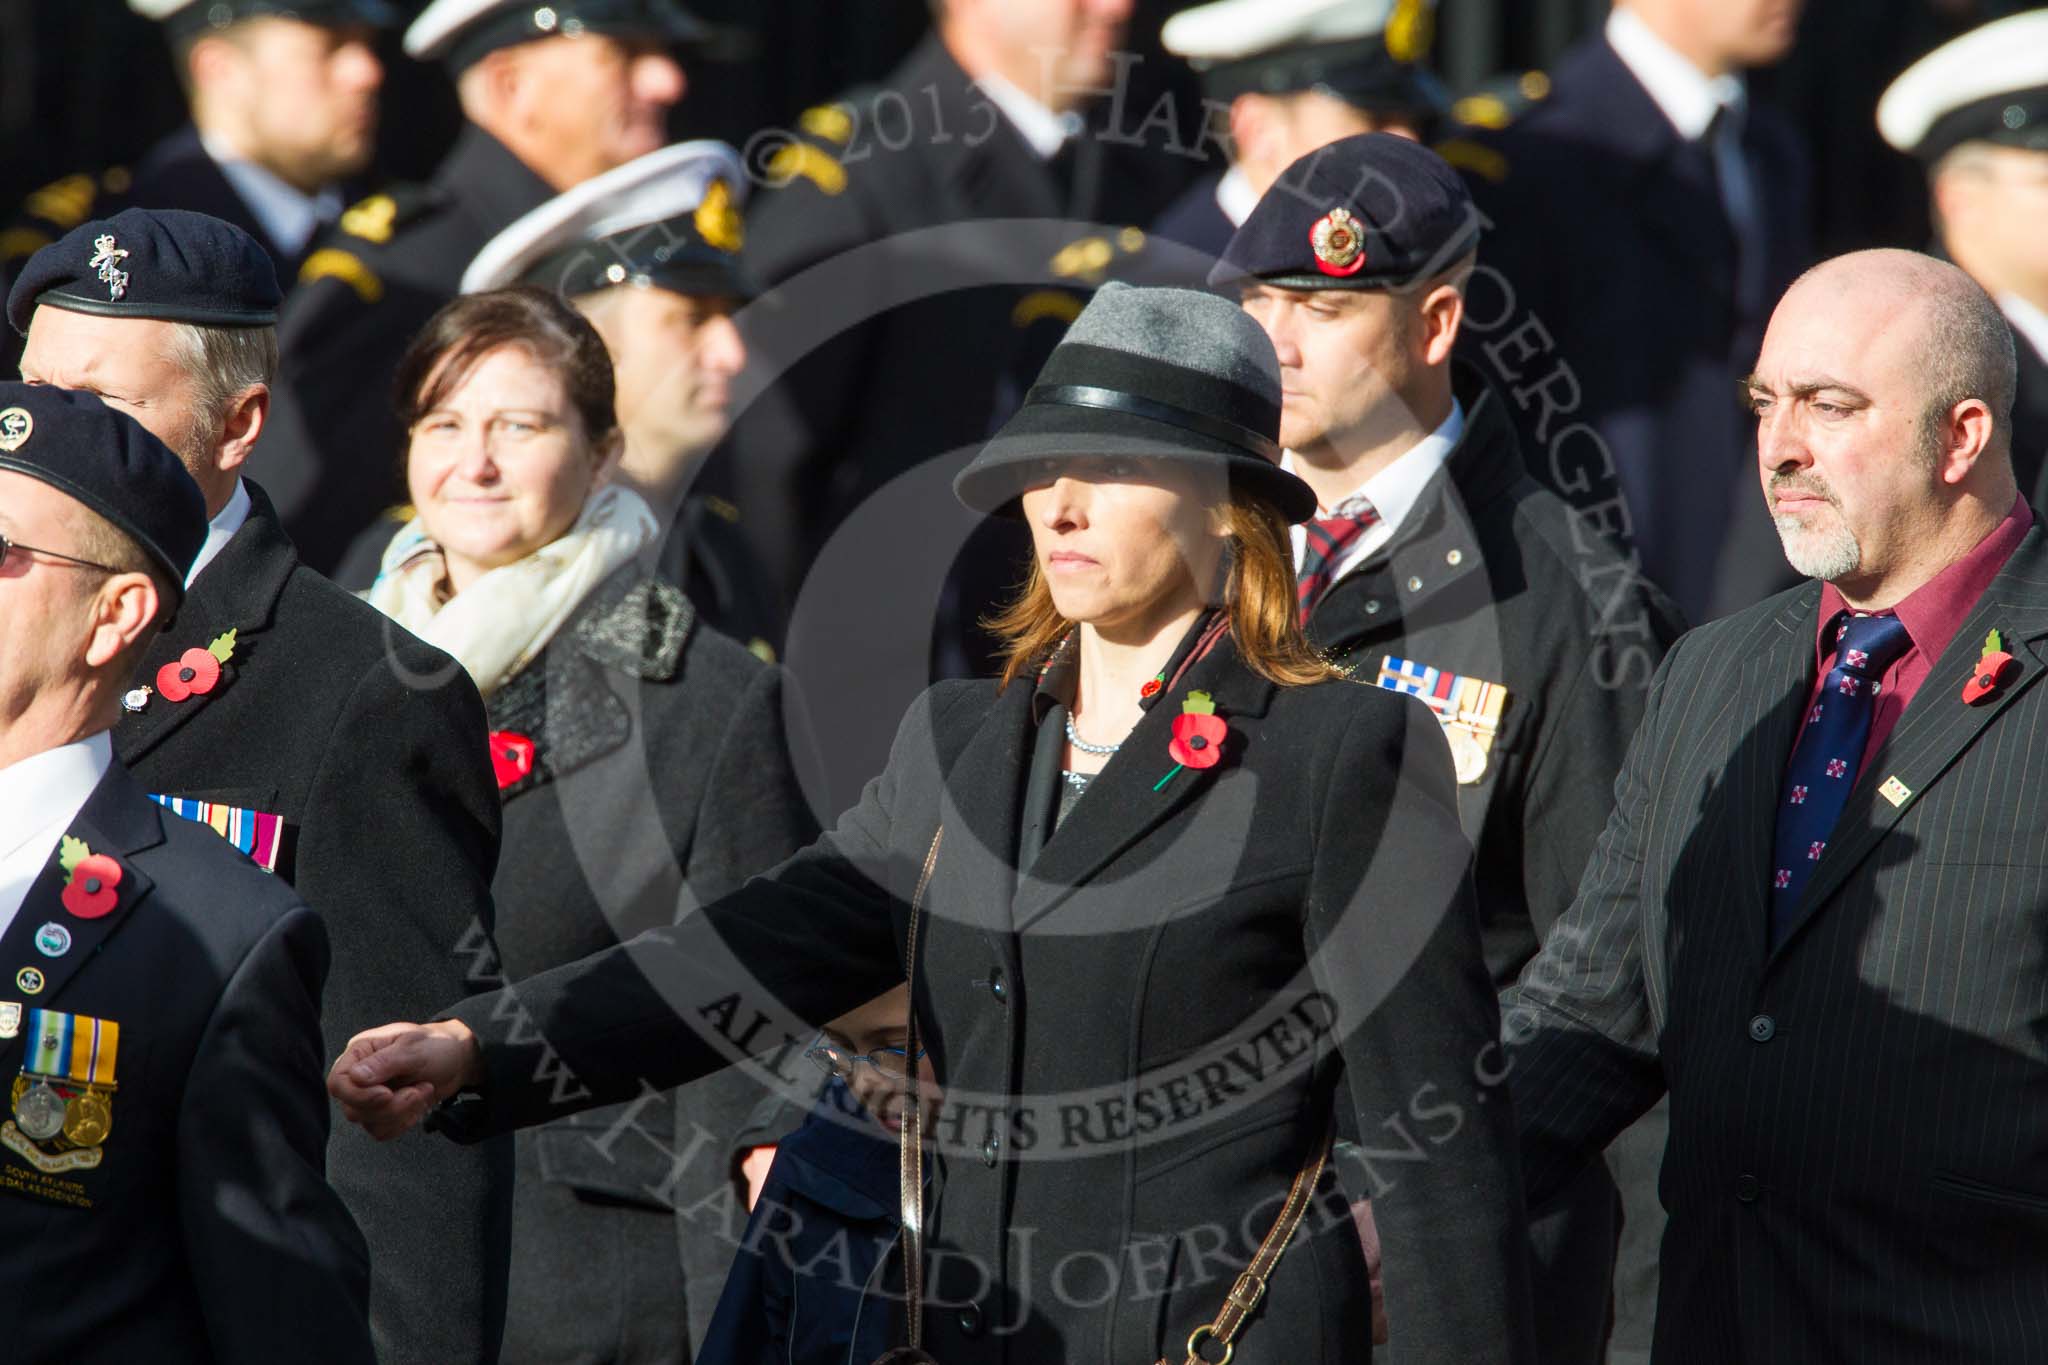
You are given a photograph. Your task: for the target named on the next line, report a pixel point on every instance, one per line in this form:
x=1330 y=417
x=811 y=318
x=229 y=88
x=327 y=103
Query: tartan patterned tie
x=1830 y=750
x=1325 y=541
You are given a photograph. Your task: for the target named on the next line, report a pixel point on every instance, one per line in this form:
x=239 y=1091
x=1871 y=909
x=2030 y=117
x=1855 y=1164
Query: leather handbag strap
x=910 y=1150
x=1244 y=1295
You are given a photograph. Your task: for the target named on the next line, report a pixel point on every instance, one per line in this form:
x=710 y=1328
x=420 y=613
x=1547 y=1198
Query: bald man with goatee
x=1815 y=915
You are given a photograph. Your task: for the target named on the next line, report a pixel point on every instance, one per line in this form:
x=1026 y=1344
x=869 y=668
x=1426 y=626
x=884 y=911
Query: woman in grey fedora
x=1176 y=900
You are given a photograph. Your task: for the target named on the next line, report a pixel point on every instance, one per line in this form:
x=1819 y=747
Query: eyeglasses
x=8 y=547
x=892 y=1063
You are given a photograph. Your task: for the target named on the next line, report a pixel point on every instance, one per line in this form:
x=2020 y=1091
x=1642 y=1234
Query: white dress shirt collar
x=1688 y=96
x=1236 y=197
x=1045 y=131
x=288 y=214
x=221 y=530
x=1393 y=492
x=2029 y=321
x=39 y=798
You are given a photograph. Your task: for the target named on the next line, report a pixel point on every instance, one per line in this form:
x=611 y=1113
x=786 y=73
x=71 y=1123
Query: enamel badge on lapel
x=91 y=890
x=1198 y=735
x=10 y=1018
x=196 y=672
x=1338 y=243
x=15 y=426
x=53 y=940
x=511 y=757
x=134 y=699
x=1992 y=670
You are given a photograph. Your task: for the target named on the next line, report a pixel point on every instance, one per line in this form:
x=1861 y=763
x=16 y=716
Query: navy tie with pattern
x=1830 y=751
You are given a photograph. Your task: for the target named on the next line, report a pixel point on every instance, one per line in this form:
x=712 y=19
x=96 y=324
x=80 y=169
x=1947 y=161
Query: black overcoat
x=206 y=1232
x=1858 y=1162
x=1141 y=1039
x=371 y=746
x=660 y=780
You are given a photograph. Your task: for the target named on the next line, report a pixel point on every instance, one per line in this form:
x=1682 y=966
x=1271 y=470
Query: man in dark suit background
x=161 y=1195
x=1814 y=917
x=351 y=756
x=284 y=116
x=1649 y=212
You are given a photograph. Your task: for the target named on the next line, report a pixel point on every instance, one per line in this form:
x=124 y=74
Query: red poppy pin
x=1198 y=735
x=195 y=672
x=511 y=757
x=1991 y=672
x=92 y=888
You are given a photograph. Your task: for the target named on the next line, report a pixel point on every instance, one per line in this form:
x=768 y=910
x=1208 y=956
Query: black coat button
x=1762 y=1029
x=1746 y=1188
x=970 y=1321
x=998 y=987
x=990 y=1149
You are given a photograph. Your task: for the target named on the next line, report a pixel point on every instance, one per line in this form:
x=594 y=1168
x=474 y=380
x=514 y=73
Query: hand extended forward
x=391 y=1075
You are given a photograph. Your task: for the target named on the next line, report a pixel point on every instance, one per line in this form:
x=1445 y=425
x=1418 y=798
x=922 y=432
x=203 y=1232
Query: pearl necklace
x=1103 y=750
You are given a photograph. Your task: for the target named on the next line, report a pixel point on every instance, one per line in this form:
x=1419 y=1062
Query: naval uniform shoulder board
x=56 y=208
x=365 y=227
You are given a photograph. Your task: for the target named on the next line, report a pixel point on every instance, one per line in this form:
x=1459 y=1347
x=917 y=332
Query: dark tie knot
x=1868 y=645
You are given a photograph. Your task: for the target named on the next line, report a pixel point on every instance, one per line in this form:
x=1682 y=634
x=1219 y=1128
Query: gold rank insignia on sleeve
x=371 y=219
x=1467 y=155
x=1041 y=304
x=334 y=263
x=717 y=221
x=802 y=159
x=833 y=122
x=65 y=203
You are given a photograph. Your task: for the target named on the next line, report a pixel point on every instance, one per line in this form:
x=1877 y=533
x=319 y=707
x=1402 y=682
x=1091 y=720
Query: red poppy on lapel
x=1991 y=671
x=197 y=671
x=1198 y=735
x=92 y=888
x=511 y=757
x=1197 y=740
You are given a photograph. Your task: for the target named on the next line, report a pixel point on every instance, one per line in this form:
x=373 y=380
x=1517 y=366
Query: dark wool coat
x=206 y=1232
x=1141 y=1039
x=371 y=747
x=661 y=779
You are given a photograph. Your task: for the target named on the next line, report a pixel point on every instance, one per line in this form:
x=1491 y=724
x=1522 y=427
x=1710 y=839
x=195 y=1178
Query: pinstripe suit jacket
x=1858 y=1162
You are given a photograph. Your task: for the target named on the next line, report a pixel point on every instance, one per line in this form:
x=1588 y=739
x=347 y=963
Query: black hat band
x=1115 y=400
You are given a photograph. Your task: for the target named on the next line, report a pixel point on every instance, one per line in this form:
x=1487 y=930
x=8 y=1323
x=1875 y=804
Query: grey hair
x=1970 y=354
x=223 y=363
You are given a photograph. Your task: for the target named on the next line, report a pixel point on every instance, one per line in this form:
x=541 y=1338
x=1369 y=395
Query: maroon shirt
x=1932 y=614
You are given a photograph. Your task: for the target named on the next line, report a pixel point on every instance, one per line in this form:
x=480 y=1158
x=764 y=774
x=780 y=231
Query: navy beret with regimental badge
x=106 y=460
x=151 y=263
x=1373 y=211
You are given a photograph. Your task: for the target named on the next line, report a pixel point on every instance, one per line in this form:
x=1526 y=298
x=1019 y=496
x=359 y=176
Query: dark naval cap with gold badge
x=104 y=459
x=184 y=20
x=463 y=32
x=670 y=219
x=168 y=264
x=1373 y=211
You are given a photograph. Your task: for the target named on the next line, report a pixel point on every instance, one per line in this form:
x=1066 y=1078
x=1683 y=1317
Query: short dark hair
x=537 y=320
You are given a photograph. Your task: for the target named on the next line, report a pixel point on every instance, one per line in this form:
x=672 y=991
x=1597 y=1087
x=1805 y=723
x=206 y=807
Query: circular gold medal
x=89 y=1120
x=1467 y=756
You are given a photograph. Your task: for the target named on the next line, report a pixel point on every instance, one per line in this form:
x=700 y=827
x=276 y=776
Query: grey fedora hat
x=1152 y=374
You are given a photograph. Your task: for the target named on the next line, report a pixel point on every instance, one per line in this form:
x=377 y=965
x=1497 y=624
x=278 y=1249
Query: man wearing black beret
x=1436 y=566
x=552 y=95
x=347 y=756
x=161 y=1195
